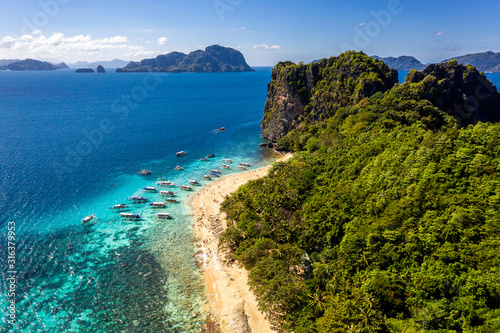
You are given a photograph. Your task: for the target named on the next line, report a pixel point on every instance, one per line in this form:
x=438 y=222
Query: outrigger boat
x=225 y=166
x=88 y=218
x=158 y=205
x=241 y=167
x=181 y=153
x=215 y=174
x=150 y=189
x=227 y=160
x=137 y=200
x=163 y=216
x=172 y=200
x=168 y=193
x=130 y=216
x=245 y=164
x=165 y=183
x=210 y=155
x=186 y=187
x=119 y=207
x=214 y=171
x=207 y=177
x=204 y=159
x=178 y=168
x=144 y=172
x=195 y=182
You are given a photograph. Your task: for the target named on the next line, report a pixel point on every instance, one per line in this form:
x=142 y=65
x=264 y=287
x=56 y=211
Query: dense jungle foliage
x=387 y=219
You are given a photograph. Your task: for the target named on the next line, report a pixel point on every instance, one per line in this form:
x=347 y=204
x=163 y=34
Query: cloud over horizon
x=58 y=46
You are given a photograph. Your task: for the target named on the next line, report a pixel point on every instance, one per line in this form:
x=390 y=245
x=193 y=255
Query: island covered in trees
x=387 y=219
x=214 y=58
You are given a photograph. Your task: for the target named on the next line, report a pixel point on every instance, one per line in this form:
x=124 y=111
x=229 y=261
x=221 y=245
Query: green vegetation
x=386 y=220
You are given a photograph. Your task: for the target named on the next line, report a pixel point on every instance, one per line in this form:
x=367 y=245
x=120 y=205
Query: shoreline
x=232 y=307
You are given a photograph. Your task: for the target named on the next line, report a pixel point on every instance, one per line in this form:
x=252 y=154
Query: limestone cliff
x=315 y=91
x=461 y=91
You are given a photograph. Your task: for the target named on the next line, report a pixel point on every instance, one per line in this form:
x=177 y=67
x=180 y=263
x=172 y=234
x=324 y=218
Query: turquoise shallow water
x=70 y=146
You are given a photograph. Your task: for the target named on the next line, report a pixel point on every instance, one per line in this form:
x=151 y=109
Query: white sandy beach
x=232 y=305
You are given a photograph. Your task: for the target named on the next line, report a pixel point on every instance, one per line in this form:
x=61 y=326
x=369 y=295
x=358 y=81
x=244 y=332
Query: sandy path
x=227 y=286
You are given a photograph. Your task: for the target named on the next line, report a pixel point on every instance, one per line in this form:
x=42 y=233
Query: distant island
x=31 y=65
x=403 y=63
x=84 y=70
x=115 y=63
x=215 y=58
x=488 y=62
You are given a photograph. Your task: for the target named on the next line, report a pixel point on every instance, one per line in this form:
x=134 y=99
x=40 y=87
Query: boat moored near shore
x=119 y=207
x=130 y=216
x=136 y=199
x=149 y=189
x=163 y=216
x=165 y=183
x=89 y=218
x=168 y=193
x=186 y=187
x=158 y=204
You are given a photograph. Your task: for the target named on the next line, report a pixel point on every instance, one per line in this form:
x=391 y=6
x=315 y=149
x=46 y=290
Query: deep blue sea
x=70 y=146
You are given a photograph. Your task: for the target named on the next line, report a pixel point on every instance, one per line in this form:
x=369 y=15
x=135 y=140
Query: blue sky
x=264 y=31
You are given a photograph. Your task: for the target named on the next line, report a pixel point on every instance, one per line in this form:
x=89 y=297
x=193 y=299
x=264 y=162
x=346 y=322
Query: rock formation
x=315 y=91
x=214 y=59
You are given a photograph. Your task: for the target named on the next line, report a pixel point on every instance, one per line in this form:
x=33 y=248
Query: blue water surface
x=70 y=146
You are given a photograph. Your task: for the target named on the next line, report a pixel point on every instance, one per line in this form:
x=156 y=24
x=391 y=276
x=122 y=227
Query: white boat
x=214 y=171
x=195 y=182
x=241 y=167
x=150 y=189
x=136 y=199
x=165 y=183
x=186 y=187
x=163 y=216
x=168 y=193
x=88 y=218
x=119 y=206
x=130 y=216
x=227 y=160
x=245 y=164
x=181 y=153
x=158 y=204
x=178 y=168
x=172 y=200
x=204 y=159
x=225 y=166
x=207 y=177
x=144 y=172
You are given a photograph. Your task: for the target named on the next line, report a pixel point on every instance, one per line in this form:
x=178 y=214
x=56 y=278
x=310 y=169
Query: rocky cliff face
x=214 y=58
x=461 y=91
x=299 y=93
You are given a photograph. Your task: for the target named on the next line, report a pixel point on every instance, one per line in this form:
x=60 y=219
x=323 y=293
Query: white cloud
x=433 y=42
x=71 y=48
x=266 y=47
x=162 y=40
x=441 y=33
x=362 y=23
x=453 y=48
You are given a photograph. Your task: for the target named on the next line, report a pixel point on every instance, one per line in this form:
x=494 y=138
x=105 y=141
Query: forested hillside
x=386 y=220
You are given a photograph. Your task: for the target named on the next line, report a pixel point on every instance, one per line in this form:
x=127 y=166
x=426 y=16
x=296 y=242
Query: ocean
x=70 y=146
